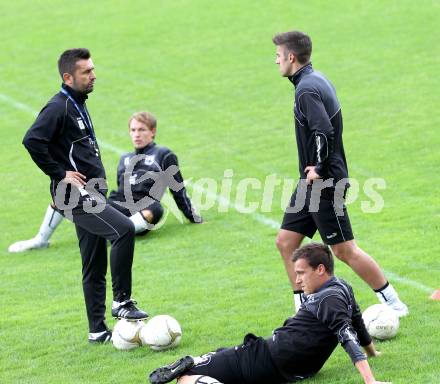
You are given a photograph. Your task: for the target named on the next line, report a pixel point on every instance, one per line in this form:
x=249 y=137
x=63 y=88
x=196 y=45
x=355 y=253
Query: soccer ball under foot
x=126 y=334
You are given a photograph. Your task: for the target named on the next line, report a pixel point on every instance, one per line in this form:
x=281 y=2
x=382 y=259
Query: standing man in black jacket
x=329 y=315
x=62 y=143
x=318 y=201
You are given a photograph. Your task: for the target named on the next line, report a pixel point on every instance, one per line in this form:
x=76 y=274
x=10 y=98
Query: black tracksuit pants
x=93 y=231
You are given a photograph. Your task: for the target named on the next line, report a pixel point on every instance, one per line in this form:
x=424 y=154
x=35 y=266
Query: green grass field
x=206 y=69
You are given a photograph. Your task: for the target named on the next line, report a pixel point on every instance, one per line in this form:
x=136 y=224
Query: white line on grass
x=409 y=282
x=220 y=199
x=17 y=105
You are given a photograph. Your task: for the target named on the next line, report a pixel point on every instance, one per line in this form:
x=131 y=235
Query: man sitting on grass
x=298 y=349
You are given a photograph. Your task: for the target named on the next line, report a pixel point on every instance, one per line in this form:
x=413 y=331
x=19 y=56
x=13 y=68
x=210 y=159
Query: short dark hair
x=68 y=59
x=315 y=254
x=296 y=42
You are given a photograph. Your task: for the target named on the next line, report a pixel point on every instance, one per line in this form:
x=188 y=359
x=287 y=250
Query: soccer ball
x=381 y=321
x=125 y=335
x=161 y=332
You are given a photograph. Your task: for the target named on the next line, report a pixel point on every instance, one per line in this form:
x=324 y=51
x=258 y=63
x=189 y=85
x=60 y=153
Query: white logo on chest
x=149 y=160
x=133 y=179
x=80 y=123
x=311 y=299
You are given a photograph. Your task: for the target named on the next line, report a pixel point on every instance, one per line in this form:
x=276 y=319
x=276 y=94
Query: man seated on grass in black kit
x=329 y=315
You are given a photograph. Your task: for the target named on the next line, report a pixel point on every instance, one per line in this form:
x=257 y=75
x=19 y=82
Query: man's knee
x=187 y=379
x=131 y=230
x=197 y=380
x=153 y=214
x=287 y=241
x=127 y=228
x=345 y=251
x=281 y=242
x=157 y=214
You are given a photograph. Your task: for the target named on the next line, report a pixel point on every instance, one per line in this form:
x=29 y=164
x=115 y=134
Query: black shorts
x=310 y=210
x=154 y=206
x=248 y=363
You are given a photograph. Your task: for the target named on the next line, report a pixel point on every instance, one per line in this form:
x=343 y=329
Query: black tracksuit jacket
x=318 y=125
x=149 y=171
x=59 y=140
x=303 y=344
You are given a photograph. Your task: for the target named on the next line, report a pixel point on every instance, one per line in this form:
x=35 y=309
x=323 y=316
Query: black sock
x=381 y=289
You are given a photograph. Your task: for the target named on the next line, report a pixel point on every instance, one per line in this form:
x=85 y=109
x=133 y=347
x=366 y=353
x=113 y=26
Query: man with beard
x=62 y=143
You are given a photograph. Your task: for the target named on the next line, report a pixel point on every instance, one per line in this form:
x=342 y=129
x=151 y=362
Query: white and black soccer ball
x=381 y=321
x=125 y=335
x=161 y=332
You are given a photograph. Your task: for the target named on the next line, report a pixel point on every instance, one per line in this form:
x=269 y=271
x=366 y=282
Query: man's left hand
x=311 y=174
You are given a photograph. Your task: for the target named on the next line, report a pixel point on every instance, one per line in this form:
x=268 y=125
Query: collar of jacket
x=145 y=149
x=327 y=284
x=78 y=96
x=297 y=76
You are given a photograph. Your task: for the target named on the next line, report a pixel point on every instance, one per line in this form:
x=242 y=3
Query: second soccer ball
x=161 y=332
x=381 y=322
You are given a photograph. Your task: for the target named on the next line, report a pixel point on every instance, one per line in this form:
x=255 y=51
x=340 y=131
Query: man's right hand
x=74 y=178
